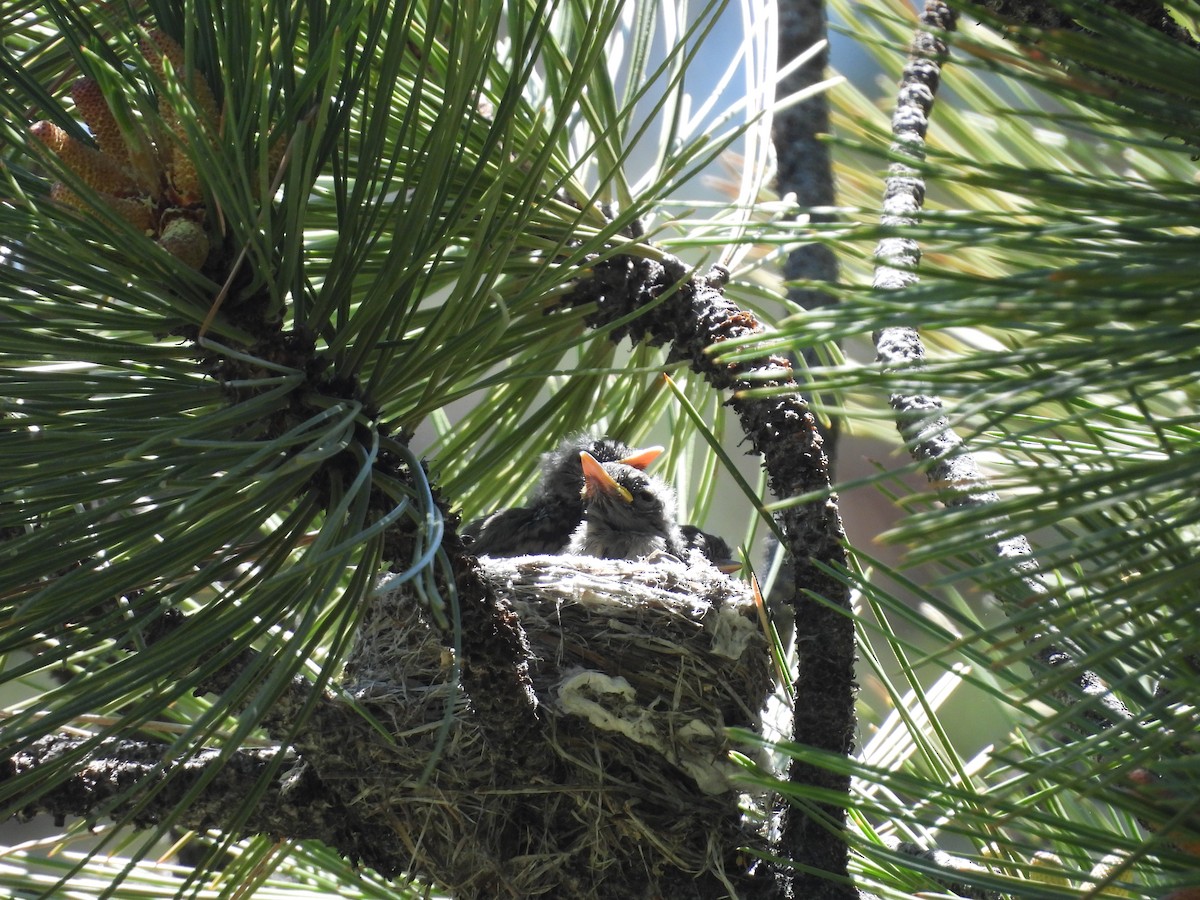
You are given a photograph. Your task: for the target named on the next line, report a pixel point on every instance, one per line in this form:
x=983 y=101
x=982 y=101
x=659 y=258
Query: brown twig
x=130 y=777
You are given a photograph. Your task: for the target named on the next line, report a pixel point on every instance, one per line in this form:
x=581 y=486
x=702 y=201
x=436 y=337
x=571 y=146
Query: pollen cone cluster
x=149 y=180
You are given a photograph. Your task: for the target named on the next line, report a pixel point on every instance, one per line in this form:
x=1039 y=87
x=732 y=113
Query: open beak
x=640 y=459
x=596 y=479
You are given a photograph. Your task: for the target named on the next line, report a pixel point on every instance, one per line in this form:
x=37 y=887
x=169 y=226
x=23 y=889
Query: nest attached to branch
x=637 y=669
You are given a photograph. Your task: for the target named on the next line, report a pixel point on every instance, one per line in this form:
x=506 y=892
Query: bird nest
x=626 y=788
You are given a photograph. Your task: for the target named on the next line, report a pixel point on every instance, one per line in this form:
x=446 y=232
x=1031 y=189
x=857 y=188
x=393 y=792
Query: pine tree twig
x=920 y=418
x=904 y=190
x=1048 y=16
x=122 y=777
x=693 y=316
x=309 y=793
x=496 y=655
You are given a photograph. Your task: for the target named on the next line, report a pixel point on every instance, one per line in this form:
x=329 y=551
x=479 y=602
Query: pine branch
x=496 y=655
x=692 y=315
x=1049 y=16
x=120 y=778
x=920 y=418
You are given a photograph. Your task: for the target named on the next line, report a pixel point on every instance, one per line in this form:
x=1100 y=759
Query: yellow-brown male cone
x=97 y=171
x=94 y=111
x=101 y=172
x=182 y=168
x=160 y=45
x=137 y=211
x=133 y=151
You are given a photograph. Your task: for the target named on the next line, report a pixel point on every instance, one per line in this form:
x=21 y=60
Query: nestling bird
x=555 y=507
x=628 y=514
x=714 y=548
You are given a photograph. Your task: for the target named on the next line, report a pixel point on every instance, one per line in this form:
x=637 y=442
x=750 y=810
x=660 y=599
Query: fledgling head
x=562 y=472
x=621 y=498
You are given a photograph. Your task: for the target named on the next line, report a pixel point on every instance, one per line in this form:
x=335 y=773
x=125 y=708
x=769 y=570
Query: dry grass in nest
x=637 y=668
